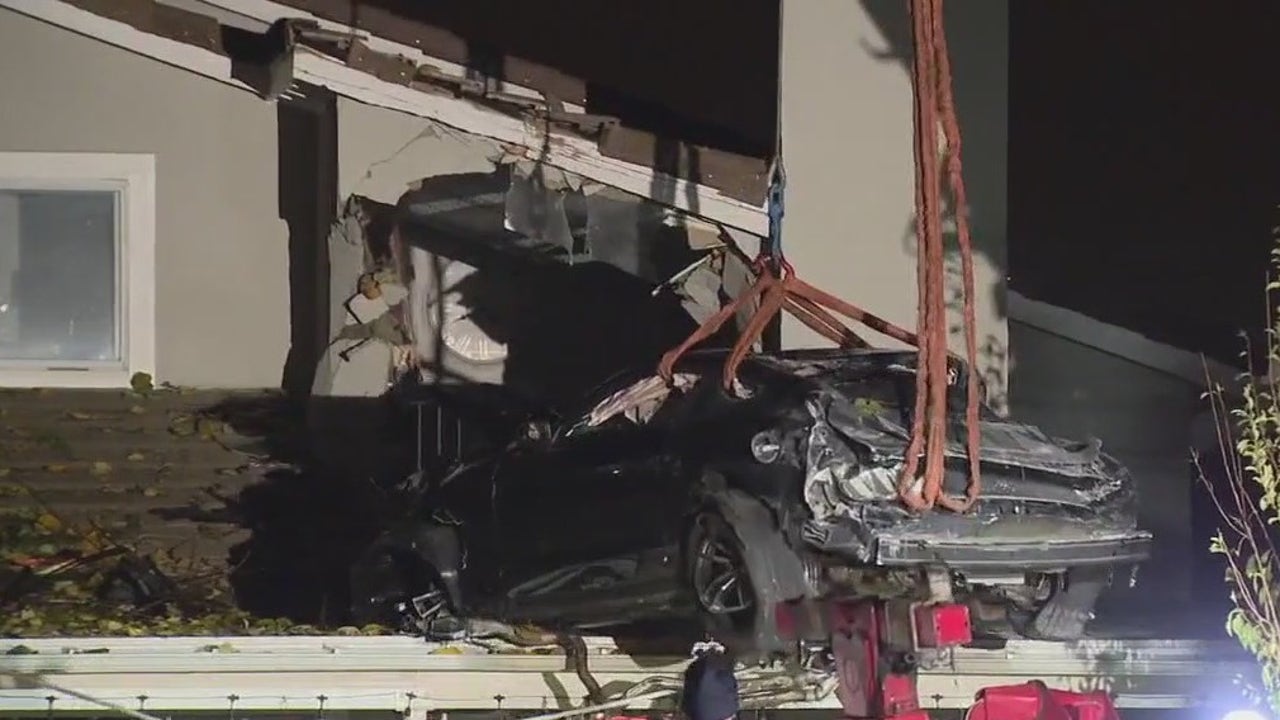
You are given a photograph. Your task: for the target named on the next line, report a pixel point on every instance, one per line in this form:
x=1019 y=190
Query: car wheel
x=727 y=596
x=393 y=588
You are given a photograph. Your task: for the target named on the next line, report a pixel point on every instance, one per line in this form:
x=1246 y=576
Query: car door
x=582 y=515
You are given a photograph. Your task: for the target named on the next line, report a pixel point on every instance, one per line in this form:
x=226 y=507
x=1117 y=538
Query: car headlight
x=766 y=446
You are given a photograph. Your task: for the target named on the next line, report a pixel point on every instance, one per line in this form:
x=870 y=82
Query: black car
x=656 y=500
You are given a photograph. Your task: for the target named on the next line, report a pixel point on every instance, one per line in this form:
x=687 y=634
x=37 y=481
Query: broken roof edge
x=1120 y=342
x=397 y=43
x=580 y=156
x=186 y=56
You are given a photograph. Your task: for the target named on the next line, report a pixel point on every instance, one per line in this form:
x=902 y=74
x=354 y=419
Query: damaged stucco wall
x=1144 y=418
x=847 y=140
x=381 y=154
x=222 y=295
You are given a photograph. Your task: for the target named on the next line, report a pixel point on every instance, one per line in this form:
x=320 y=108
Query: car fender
x=774 y=566
x=439 y=547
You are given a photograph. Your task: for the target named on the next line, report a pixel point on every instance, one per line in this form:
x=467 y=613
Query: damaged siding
x=381 y=154
x=222 y=297
x=740 y=177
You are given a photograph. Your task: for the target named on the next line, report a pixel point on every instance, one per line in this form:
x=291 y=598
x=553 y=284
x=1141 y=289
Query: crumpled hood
x=855 y=450
x=1003 y=442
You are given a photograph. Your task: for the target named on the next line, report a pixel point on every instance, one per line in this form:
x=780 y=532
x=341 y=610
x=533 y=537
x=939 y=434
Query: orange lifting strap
x=778 y=288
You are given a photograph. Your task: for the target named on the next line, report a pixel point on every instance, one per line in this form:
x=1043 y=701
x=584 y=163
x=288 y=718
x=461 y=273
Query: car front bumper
x=1026 y=556
x=1027 y=543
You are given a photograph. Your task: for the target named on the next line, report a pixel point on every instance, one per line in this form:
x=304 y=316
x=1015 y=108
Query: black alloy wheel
x=718 y=578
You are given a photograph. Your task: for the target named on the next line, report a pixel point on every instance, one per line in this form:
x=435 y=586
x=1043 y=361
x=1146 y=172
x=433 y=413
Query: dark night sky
x=1144 y=136
x=1144 y=173
x=705 y=68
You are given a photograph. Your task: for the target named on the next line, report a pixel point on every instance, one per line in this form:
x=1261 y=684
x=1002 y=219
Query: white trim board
x=68 y=17
x=576 y=155
x=134 y=174
x=267 y=12
x=1122 y=343
x=411 y=678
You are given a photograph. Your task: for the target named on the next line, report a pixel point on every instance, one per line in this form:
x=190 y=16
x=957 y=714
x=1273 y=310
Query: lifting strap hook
x=776 y=198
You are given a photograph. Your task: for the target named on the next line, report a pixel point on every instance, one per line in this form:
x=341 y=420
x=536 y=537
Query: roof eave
x=573 y=154
x=1191 y=367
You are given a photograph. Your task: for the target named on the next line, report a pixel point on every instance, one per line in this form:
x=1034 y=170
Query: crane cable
x=934 y=108
x=778 y=288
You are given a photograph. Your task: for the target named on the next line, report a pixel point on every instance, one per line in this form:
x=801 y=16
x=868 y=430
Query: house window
x=77 y=269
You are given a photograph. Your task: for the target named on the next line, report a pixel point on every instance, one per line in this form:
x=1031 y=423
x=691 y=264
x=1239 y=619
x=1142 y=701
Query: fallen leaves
x=49 y=523
x=141 y=383
x=61 y=451
x=202 y=426
x=67 y=593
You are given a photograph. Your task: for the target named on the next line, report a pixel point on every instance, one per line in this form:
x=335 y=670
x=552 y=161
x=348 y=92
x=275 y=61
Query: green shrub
x=1248 y=503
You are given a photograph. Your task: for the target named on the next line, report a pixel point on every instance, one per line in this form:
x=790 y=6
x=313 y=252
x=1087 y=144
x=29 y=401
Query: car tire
x=394 y=588
x=743 y=617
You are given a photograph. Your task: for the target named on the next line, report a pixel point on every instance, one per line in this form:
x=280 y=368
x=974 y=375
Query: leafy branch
x=1248 y=504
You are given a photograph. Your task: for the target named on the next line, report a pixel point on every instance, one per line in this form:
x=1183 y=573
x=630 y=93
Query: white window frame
x=133 y=176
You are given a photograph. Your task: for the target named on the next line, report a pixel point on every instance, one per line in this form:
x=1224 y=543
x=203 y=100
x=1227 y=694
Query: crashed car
x=668 y=500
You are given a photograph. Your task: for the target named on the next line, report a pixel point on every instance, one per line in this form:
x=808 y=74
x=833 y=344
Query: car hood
x=1003 y=442
x=855 y=452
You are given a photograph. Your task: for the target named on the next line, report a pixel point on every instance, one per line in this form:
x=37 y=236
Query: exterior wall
x=1144 y=417
x=222 y=295
x=381 y=153
x=847 y=140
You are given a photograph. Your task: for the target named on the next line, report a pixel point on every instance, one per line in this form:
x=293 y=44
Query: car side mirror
x=537 y=430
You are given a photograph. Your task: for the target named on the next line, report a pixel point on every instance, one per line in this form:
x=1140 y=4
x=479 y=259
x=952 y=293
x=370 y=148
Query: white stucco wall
x=222 y=296
x=847 y=141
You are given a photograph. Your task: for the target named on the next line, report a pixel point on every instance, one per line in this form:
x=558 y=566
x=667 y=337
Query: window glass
x=59 y=279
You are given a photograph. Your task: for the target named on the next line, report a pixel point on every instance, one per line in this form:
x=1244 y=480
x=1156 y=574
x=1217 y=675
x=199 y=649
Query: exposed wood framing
x=737 y=177
x=439 y=43
x=406 y=79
